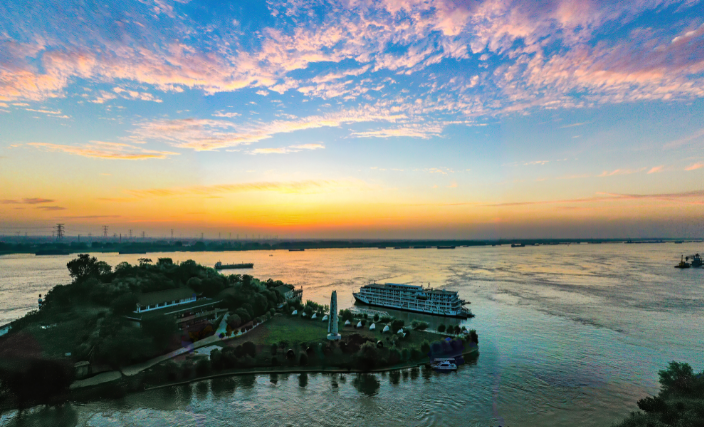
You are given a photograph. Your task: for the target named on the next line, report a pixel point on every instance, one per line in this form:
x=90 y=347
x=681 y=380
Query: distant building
x=181 y=304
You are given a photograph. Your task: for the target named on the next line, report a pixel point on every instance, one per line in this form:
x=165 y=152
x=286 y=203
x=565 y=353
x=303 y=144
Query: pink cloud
x=694 y=166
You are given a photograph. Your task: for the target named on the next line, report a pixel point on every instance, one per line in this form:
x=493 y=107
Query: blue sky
x=354 y=119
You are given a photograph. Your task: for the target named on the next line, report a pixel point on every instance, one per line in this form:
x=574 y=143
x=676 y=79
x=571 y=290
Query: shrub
x=249 y=348
x=396 y=325
x=216 y=360
x=367 y=356
x=473 y=337
x=239 y=351
x=394 y=356
x=376 y=317
x=303 y=360
x=441 y=328
x=203 y=366
x=346 y=315
x=425 y=347
x=421 y=326
x=415 y=354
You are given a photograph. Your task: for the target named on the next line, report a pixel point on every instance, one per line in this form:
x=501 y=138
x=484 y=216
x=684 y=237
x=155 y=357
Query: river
x=569 y=335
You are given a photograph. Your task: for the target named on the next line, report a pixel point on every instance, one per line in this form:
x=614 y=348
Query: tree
x=274 y=349
x=37 y=381
x=234 y=321
x=376 y=317
x=143 y=262
x=243 y=315
x=303 y=359
x=249 y=348
x=124 y=304
x=202 y=366
x=425 y=347
x=441 y=328
x=346 y=315
x=86 y=266
x=165 y=262
x=394 y=356
x=367 y=356
x=160 y=329
x=677 y=377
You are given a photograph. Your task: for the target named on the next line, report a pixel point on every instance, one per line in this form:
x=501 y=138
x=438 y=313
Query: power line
x=59 y=231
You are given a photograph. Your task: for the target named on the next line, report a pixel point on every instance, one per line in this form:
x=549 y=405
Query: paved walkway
x=104 y=377
x=139 y=367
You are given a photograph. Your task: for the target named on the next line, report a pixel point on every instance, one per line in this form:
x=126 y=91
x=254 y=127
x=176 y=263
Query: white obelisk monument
x=332 y=320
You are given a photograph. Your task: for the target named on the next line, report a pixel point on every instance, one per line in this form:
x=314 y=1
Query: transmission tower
x=105 y=232
x=130 y=235
x=172 y=234
x=143 y=235
x=59 y=231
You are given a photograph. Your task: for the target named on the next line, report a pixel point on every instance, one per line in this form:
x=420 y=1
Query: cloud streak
x=105 y=150
x=685 y=197
x=294 y=187
x=26 y=201
x=207 y=134
x=289 y=149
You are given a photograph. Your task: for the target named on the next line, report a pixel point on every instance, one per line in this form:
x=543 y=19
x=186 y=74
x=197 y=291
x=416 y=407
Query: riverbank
x=8 y=247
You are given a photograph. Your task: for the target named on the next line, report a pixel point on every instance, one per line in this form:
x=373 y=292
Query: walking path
x=139 y=367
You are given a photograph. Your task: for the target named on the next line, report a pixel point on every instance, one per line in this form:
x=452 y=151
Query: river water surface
x=569 y=336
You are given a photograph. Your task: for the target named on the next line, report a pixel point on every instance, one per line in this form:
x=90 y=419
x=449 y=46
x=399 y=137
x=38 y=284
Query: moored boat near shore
x=221 y=266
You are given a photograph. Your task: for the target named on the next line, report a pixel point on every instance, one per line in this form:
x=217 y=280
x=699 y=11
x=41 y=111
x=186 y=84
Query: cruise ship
x=438 y=302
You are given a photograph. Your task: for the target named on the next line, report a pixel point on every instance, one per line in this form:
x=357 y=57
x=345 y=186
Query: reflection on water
x=64 y=416
x=569 y=335
x=303 y=380
x=366 y=384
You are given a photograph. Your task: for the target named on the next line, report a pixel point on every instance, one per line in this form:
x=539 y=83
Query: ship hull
x=410 y=310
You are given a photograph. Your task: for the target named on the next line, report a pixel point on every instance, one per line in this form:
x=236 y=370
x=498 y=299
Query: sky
x=353 y=119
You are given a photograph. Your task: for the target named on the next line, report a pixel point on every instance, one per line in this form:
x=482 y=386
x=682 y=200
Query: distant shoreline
x=161 y=246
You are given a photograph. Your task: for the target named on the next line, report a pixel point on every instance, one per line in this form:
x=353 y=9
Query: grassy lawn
x=294 y=329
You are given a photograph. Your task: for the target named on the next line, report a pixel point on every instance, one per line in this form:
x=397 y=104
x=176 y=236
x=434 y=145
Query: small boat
x=446 y=247
x=221 y=266
x=696 y=260
x=518 y=245
x=296 y=250
x=682 y=263
x=444 y=366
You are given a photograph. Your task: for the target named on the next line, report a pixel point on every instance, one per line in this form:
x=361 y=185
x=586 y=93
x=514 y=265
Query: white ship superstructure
x=437 y=302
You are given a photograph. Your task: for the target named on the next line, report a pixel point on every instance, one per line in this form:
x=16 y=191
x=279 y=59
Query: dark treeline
x=236 y=245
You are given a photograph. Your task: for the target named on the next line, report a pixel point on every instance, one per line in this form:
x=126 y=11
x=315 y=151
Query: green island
x=134 y=327
x=680 y=401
